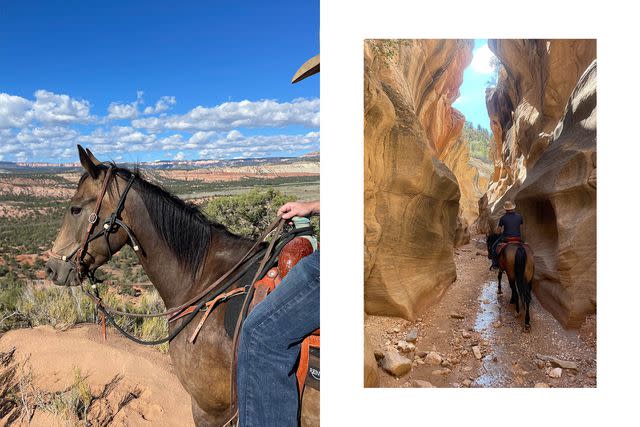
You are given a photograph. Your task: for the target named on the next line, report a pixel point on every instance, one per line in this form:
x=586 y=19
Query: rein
x=219 y=288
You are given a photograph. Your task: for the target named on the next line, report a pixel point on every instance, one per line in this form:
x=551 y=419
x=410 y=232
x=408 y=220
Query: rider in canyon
x=509 y=230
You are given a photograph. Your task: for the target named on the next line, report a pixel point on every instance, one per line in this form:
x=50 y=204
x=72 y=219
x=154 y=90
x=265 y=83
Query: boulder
x=421 y=384
x=476 y=352
x=555 y=372
x=405 y=347
x=433 y=358
x=396 y=364
x=412 y=335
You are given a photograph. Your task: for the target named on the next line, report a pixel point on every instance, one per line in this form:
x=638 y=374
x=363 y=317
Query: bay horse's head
x=79 y=249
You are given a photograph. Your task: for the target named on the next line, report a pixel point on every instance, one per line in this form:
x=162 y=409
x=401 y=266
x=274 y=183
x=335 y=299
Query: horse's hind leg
x=500 y=282
x=514 y=293
x=527 y=319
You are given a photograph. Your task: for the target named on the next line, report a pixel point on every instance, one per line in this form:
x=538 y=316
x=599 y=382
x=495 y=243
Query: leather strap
x=263 y=287
x=93 y=219
x=243 y=311
x=211 y=304
x=312 y=340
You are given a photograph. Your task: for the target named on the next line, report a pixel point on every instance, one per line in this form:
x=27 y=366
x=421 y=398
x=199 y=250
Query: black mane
x=182 y=226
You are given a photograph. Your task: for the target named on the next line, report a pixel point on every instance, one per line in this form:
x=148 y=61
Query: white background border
x=344 y=26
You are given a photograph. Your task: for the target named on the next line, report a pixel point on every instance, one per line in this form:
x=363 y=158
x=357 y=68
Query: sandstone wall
x=371 y=374
x=411 y=197
x=543 y=117
x=472 y=177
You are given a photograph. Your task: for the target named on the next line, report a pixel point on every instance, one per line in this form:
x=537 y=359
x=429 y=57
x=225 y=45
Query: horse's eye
x=75 y=210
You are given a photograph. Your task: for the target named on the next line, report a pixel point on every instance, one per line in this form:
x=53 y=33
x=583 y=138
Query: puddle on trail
x=494 y=361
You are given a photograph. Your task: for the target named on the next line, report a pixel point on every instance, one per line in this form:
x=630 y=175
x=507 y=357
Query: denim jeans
x=270 y=344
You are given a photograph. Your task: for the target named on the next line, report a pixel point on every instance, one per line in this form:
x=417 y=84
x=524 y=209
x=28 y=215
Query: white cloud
x=481 y=62
x=14 y=111
x=162 y=105
x=229 y=115
x=122 y=111
x=47 y=108
x=49 y=125
x=259 y=145
x=53 y=108
x=118 y=110
x=179 y=156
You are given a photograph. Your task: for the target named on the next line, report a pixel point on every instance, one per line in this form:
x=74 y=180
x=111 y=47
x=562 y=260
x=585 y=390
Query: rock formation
x=543 y=117
x=411 y=197
x=472 y=176
x=371 y=375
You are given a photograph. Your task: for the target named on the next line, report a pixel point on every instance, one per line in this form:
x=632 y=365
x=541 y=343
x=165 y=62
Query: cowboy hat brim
x=309 y=68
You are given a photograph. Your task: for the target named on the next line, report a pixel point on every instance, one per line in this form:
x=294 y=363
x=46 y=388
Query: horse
x=517 y=261
x=182 y=253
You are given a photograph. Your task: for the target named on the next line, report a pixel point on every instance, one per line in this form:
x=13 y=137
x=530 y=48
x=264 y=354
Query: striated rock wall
x=411 y=197
x=543 y=117
x=371 y=374
x=472 y=177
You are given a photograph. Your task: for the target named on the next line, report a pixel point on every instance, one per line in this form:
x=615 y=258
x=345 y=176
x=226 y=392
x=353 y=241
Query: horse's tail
x=520 y=265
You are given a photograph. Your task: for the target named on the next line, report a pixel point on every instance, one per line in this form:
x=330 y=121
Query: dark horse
x=517 y=261
x=182 y=252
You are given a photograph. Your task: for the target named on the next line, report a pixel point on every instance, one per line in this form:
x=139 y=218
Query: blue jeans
x=270 y=344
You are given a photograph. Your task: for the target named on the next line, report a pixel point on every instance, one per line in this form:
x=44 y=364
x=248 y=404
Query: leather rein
x=215 y=291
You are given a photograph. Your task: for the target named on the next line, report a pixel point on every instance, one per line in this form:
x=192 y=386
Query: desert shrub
x=249 y=213
x=11 y=289
x=58 y=307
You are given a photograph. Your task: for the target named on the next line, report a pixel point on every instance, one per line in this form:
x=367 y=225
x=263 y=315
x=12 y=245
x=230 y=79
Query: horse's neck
x=175 y=282
x=224 y=252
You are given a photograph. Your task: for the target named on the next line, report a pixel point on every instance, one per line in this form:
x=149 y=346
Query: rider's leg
x=494 y=256
x=270 y=344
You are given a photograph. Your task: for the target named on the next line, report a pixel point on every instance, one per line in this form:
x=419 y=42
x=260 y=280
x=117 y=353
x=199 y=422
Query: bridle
x=112 y=224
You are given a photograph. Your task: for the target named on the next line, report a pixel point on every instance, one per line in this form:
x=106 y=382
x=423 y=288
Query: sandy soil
x=54 y=355
x=510 y=357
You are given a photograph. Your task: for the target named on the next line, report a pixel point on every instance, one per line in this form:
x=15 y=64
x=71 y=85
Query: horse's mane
x=182 y=226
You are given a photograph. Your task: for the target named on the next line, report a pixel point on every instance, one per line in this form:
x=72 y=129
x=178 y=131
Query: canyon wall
x=412 y=206
x=472 y=176
x=543 y=117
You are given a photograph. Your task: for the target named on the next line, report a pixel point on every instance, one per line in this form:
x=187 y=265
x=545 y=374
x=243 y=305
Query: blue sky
x=147 y=80
x=471 y=101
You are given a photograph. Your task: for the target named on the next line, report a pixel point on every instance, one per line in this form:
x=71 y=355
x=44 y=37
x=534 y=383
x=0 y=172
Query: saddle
x=308 y=372
x=509 y=241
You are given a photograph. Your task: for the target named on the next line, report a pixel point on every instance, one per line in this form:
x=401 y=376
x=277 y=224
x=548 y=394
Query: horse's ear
x=87 y=164
x=93 y=158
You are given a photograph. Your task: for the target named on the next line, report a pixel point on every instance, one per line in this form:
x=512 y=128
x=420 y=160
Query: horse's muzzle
x=62 y=273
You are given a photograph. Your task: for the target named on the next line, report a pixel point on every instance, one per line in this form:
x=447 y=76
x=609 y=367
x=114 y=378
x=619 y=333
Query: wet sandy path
x=471 y=314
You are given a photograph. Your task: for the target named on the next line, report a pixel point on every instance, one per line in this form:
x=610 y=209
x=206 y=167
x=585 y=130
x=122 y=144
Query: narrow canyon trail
x=471 y=337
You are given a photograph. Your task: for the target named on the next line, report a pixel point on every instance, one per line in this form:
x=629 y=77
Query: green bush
x=247 y=214
x=480 y=142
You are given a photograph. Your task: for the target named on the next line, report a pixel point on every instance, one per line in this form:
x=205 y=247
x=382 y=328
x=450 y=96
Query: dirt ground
x=509 y=357
x=52 y=356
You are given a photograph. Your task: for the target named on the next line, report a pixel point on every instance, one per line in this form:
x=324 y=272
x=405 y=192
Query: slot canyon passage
x=433 y=317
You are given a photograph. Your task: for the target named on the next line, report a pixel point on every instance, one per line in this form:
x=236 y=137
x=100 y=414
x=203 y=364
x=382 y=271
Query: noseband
x=110 y=226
